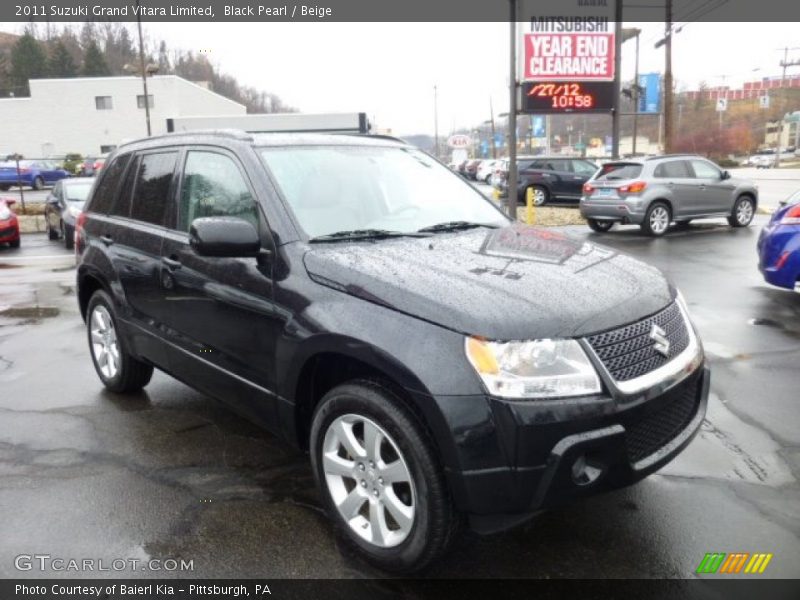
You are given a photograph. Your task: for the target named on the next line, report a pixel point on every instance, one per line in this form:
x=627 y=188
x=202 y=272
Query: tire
x=540 y=195
x=38 y=183
x=426 y=522
x=14 y=244
x=69 y=239
x=600 y=226
x=4 y=188
x=744 y=209
x=125 y=374
x=52 y=234
x=657 y=219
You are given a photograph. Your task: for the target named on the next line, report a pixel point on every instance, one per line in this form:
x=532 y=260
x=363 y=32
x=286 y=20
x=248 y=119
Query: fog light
x=585 y=473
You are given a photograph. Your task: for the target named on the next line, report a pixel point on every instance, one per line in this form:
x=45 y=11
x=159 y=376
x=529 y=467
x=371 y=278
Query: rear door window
x=617 y=171
x=581 y=167
x=108 y=185
x=673 y=169
x=151 y=191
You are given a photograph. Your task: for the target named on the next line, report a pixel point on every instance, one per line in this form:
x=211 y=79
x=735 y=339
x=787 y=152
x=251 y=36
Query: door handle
x=107 y=239
x=171 y=263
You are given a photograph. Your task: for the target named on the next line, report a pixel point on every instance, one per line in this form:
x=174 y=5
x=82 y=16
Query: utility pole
x=784 y=63
x=491 y=118
x=615 y=116
x=636 y=95
x=511 y=200
x=668 y=79
x=144 y=69
x=436 y=121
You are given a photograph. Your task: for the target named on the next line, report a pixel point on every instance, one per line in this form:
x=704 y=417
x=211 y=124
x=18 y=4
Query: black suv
x=549 y=178
x=358 y=299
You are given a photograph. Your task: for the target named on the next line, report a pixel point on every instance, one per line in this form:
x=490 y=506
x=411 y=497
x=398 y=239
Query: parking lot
x=170 y=473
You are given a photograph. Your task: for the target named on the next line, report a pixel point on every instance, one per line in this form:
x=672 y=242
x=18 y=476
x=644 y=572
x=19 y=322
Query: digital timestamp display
x=567 y=96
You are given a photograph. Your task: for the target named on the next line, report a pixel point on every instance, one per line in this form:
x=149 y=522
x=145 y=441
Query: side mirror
x=725 y=175
x=10 y=201
x=224 y=236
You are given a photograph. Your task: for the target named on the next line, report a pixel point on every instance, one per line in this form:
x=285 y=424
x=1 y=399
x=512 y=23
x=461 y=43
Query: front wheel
x=600 y=226
x=117 y=368
x=380 y=479
x=69 y=236
x=743 y=212
x=38 y=183
x=657 y=219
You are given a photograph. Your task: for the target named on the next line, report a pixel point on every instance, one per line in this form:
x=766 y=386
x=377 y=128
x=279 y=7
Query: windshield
x=350 y=188
x=76 y=192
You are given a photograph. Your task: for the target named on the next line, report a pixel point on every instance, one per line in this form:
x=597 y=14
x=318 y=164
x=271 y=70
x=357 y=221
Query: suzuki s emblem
x=659 y=336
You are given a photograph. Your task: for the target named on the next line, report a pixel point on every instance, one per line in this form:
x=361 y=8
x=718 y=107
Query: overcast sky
x=388 y=70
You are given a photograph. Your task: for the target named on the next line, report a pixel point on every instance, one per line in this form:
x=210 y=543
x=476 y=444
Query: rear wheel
x=743 y=212
x=657 y=219
x=380 y=478
x=38 y=183
x=5 y=188
x=52 y=234
x=118 y=370
x=600 y=226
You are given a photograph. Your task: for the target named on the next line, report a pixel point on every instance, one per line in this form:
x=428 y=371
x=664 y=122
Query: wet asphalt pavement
x=171 y=473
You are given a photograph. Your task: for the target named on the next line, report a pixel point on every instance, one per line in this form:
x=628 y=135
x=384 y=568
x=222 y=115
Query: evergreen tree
x=94 y=63
x=28 y=61
x=60 y=63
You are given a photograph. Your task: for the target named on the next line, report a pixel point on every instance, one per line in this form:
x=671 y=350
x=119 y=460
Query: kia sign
x=568 y=49
x=459 y=141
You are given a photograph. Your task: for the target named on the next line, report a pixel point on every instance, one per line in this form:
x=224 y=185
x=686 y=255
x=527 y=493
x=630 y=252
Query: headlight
x=74 y=211
x=536 y=369
x=5 y=213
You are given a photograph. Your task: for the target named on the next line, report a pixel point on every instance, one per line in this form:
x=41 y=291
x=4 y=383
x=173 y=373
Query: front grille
x=629 y=352
x=662 y=426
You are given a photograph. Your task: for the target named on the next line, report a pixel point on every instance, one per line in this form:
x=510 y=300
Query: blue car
x=32 y=173
x=779 y=246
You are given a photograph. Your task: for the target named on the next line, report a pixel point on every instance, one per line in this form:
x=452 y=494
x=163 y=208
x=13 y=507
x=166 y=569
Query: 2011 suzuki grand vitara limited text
x=440 y=363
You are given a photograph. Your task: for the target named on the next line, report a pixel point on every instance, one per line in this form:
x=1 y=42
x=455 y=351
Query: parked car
x=779 y=246
x=549 y=178
x=9 y=225
x=462 y=168
x=471 y=168
x=364 y=327
x=90 y=166
x=486 y=170
x=63 y=207
x=657 y=191
x=32 y=173
x=762 y=161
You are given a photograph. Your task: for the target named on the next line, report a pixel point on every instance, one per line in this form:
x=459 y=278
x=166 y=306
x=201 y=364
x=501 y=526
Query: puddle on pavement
x=30 y=312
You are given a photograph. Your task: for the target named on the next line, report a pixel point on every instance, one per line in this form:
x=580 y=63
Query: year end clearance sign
x=568 y=49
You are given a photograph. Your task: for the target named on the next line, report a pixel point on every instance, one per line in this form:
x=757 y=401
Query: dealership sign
x=567 y=49
x=459 y=141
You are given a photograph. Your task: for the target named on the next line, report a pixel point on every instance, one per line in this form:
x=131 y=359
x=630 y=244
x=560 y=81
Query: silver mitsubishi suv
x=655 y=192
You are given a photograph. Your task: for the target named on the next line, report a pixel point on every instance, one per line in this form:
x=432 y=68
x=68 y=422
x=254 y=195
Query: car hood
x=517 y=282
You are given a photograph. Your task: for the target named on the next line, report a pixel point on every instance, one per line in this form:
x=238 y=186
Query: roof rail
x=378 y=136
x=233 y=134
x=676 y=155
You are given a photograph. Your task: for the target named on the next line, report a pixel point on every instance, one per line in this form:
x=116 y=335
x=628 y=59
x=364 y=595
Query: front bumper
x=9 y=231
x=515 y=457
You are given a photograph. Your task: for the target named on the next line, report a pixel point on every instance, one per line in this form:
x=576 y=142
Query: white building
x=92 y=115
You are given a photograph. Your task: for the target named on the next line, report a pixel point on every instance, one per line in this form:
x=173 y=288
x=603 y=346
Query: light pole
x=511 y=200
x=143 y=68
x=436 y=119
x=784 y=63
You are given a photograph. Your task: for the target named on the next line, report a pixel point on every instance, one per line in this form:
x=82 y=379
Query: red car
x=9 y=226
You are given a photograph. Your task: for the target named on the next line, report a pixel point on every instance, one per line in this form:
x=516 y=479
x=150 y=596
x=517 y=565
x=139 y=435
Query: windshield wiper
x=362 y=234
x=454 y=226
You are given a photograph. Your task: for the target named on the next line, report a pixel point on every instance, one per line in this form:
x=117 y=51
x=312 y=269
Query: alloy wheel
x=368 y=480
x=538 y=196
x=744 y=212
x=105 y=347
x=659 y=220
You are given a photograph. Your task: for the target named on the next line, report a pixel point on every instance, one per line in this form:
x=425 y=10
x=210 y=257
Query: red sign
x=569 y=56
